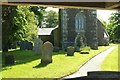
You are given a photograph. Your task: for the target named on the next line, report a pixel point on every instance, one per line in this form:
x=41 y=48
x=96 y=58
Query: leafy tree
x=7 y=25
x=25 y=21
x=39 y=13
x=51 y=18
x=104 y=23
x=18 y=22
x=113 y=27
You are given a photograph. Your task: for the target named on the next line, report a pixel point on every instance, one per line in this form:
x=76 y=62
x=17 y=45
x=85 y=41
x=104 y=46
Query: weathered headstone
x=56 y=49
x=29 y=46
x=70 y=51
x=9 y=59
x=5 y=49
x=25 y=45
x=47 y=50
x=14 y=45
x=38 y=46
x=22 y=45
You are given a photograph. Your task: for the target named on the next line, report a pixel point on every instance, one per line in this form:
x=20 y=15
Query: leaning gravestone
x=70 y=51
x=47 y=50
x=38 y=46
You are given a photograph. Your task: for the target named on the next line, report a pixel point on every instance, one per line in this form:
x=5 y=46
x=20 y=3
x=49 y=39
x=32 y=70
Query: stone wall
x=0 y=36
x=100 y=33
x=70 y=28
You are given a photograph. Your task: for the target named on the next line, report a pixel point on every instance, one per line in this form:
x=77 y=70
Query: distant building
x=74 y=22
x=50 y=34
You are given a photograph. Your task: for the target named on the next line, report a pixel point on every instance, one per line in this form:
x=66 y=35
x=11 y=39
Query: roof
x=45 y=31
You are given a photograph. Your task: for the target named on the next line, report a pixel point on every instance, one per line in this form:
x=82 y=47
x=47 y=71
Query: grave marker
x=47 y=50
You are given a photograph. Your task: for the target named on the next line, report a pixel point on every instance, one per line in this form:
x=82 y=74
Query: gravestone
x=29 y=46
x=47 y=50
x=25 y=45
x=14 y=45
x=5 y=49
x=9 y=59
x=56 y=49
x=22 y=45
x=70 y=51
x=38 y=46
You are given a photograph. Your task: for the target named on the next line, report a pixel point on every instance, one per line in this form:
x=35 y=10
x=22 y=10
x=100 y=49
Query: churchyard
x=30 y=50
x=28 y=64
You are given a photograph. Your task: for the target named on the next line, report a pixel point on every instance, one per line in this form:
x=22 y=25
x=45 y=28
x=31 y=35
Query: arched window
x=80 y=22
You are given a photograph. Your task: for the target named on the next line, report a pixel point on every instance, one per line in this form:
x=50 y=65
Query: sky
x=104 y=14
x=101 y=14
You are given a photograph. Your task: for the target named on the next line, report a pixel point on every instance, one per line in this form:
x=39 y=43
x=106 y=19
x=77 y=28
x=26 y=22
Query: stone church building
x=79 y=22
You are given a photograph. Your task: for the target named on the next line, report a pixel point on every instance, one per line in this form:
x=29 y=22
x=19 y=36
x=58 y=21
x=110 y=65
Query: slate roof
x=45 y=31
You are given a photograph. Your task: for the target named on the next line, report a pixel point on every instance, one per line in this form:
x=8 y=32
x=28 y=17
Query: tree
x=39 y=13
x=7 y=25
x=51 y=18
x=104 y=23
x=113 y=27
x=18 y=23
x=25 y=21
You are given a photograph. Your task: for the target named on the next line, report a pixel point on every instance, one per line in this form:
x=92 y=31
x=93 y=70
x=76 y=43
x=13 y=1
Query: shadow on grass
x=23 y=57
x=6 y=68
x=41 y=65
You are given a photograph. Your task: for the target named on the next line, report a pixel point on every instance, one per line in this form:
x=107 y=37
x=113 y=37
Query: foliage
x=111 y=61
x=8 y=28
x=104 y=23
x=25 y=21
x=18 y=22
x=51 y=18
x=39 y=13
x=28 y=64
x=113 y=27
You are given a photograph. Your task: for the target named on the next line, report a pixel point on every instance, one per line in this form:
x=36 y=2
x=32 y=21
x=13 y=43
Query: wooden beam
x=113 y=5
x=82 y=5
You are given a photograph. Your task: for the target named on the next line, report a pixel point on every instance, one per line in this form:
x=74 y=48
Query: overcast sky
x=101 y=14
x=104 y=14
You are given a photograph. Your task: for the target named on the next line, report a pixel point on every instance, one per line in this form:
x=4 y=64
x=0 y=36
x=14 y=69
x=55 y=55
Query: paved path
x=92 y=65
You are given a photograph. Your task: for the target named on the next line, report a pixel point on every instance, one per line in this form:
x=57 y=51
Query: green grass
x=27 y=64
x=111 y=61
x=85 y=49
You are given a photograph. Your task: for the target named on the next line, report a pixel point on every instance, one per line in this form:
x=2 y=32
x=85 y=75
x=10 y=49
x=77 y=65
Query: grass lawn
x=28 y=65
x=111 y=61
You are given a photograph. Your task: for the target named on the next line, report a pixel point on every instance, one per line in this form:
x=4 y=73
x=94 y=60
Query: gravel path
x=92 y=65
